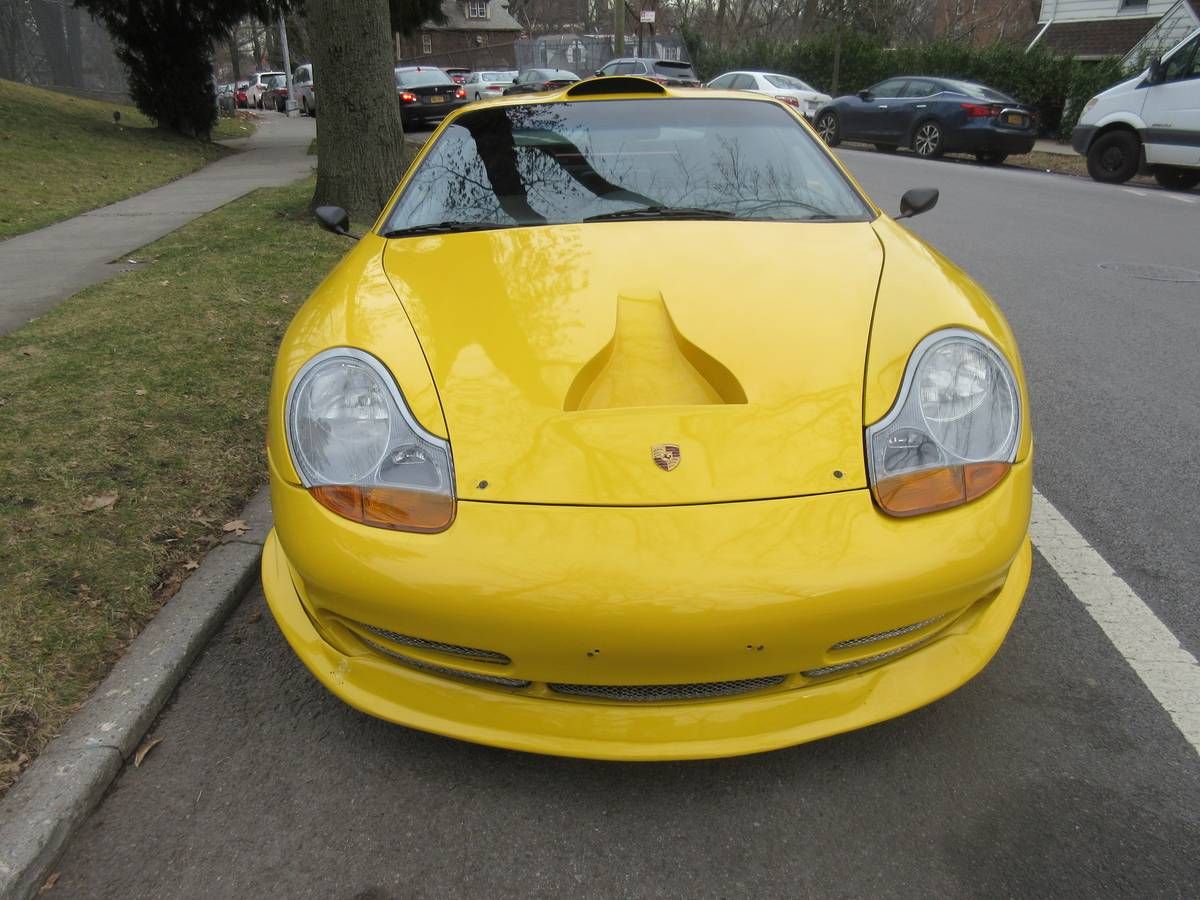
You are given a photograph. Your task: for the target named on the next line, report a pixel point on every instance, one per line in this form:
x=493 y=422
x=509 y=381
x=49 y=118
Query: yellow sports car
x=634 y=430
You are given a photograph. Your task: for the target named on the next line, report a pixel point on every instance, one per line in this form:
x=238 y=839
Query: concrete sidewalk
x=40 y=269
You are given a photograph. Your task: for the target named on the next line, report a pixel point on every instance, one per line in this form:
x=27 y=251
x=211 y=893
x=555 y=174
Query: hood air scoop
x=648 y=362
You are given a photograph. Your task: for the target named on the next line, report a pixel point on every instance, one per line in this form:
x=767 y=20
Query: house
x=1132 y=29
x=477 y=34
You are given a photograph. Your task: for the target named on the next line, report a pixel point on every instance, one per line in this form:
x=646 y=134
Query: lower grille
x=836 y=668
x=650 y=693
x=469 y=652
x=446 y=671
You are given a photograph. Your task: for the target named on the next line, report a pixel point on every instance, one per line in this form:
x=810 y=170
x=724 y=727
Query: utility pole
x=287 y=63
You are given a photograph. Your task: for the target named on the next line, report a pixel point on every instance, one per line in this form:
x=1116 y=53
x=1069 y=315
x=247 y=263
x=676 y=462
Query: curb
x=66 y=781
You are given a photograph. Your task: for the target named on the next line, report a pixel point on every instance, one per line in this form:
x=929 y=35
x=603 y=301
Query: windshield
x=979 y=92
x=552 y=163
x=275 y=81
x=787 y=81
x=421 y=77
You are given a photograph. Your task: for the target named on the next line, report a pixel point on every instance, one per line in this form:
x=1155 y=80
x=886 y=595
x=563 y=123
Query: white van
x=1150 y=123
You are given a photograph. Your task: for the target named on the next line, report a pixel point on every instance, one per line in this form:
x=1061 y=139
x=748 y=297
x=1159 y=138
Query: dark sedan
x=932 y=116
x=427 y=95
x=534 y=81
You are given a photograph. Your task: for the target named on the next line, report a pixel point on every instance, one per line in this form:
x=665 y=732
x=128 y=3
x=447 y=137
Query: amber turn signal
x=914 y=493
x=385 y=507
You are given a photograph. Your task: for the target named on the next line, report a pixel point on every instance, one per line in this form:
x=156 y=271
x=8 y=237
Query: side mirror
x=598 y=72
x=864 y=94
x=335 y=219
x=917 y=201
x=1157 y=71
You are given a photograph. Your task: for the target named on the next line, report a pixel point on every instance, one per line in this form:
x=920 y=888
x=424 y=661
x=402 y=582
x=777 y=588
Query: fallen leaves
x=237 y=526
x=147 y=746
x=100 y=501
x=49 y=883
x=191 y=565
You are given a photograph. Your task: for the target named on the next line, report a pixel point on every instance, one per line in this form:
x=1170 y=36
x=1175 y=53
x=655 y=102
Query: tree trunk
x=360 y=144
x=235 y=57
x=74 y=45
x=49 y=19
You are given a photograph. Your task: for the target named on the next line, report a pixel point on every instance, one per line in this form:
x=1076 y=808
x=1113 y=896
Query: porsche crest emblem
x=665 y=456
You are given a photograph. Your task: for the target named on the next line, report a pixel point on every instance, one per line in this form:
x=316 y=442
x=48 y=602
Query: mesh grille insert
x=834 y=669
x=886 y=635
x=446 y=671
x=469 y=652
x=650 y=693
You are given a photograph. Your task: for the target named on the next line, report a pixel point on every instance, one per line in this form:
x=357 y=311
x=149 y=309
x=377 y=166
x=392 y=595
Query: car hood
x=646 y=363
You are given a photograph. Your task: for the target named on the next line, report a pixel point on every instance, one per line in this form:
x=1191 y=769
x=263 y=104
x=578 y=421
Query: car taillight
x=790 y=101
x=979 y=111
x=406 y=97
x=461 y=93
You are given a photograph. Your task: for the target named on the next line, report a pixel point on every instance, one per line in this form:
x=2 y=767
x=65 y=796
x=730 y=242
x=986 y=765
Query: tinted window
x=674 y=69
x=421 y=77
x=744 y=83
x=563 y=162
x=624 y=68
x=890 y=88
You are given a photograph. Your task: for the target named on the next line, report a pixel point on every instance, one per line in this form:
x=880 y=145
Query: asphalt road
x=1053 y=773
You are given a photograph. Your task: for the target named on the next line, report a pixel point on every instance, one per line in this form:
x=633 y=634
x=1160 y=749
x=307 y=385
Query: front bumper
x=1081 y=138
x=587 y=596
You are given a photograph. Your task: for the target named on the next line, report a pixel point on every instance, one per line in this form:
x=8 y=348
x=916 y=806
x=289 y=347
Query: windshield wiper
x=662 y=212
x=448 y=227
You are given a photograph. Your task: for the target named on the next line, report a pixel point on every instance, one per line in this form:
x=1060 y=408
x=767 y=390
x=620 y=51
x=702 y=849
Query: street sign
x=648 y=16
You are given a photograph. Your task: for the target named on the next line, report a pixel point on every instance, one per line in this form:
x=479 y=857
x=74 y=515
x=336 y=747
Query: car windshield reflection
x=557 y=163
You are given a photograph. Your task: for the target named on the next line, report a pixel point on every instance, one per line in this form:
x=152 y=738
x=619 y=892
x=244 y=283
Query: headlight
x=358 y=449
x=952 y=434
x=1088 y=106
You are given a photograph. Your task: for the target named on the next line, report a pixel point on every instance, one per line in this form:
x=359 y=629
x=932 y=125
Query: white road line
x=1135 y=193
x=1167 y=669
x=1180 y=199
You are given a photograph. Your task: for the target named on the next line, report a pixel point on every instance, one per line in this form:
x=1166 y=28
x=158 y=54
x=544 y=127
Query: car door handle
x=883 y=106
x=922 y=105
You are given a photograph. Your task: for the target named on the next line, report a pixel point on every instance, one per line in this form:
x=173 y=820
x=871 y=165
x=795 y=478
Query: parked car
x=426 y=95
x=664 y=71
x=481 y=85
x=258 y=85
x=1150 y=122
x=275 y=93
x=687 y=509
x=243 y=101
x=791 y=91
x=932 y=116
x=306 y=90
x=533 y=81
x=457 y=74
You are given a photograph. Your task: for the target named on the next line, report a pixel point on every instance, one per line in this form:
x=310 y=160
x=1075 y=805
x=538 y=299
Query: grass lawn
x=61 y=156
x=151 y=387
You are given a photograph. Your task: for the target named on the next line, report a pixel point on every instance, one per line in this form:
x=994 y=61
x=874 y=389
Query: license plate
x=437 y=98
x=1014 y=119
